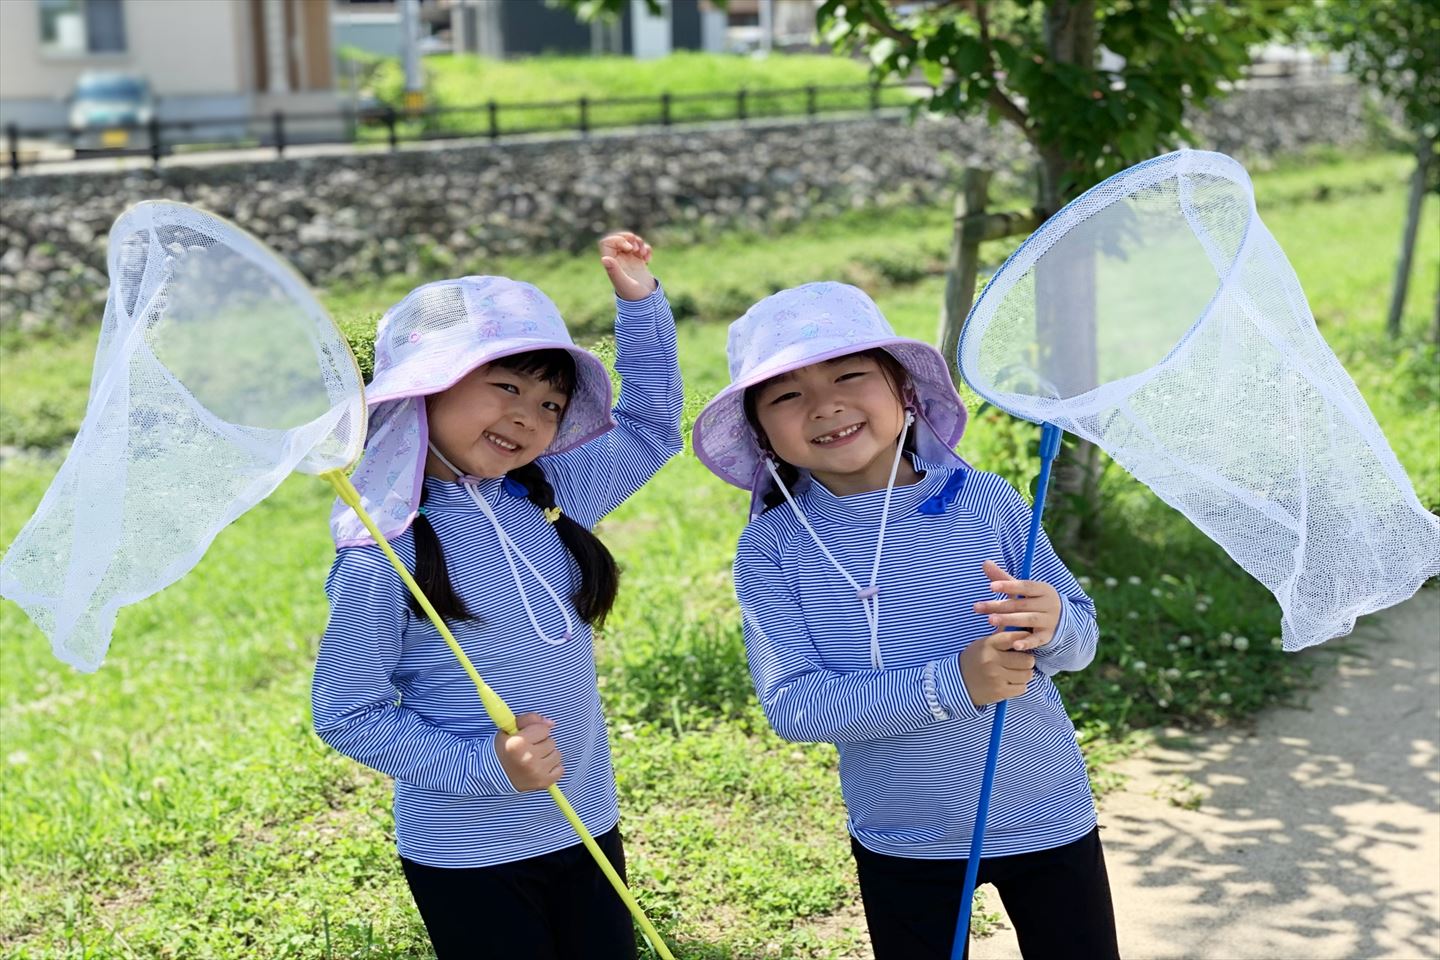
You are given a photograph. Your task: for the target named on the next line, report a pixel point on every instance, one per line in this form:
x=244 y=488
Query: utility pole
x=410 y=55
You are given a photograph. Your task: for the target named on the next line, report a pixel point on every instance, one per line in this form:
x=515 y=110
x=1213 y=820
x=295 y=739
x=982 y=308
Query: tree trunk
x=1065 y=302
x=1423 y=152
x=1435 y=333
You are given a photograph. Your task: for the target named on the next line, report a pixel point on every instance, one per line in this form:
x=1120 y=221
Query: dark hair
x=599 y=577
x=894 y=372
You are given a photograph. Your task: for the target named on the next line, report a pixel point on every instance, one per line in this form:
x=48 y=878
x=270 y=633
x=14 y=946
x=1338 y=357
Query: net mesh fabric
x=217 y=374
x=437 y=312
x=1205 y=377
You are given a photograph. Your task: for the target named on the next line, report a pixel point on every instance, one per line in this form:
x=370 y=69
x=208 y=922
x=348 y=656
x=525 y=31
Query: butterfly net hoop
x=217 y=373
x=1204 y=376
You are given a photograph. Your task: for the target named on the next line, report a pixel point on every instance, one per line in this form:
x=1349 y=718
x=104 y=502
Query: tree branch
x=883 y=25
x=1003 y=105
x=1009 y=109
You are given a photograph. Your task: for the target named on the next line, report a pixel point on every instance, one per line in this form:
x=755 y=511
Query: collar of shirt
x=443 y=496
x=819 y=503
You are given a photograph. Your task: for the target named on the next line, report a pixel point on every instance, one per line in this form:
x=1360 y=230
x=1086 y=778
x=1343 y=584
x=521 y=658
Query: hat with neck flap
x=425 y=344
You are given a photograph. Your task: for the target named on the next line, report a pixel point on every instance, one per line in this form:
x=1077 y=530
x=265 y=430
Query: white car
x=111 y=112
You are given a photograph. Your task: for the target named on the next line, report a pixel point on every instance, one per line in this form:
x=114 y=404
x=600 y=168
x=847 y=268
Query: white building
x=210 y=59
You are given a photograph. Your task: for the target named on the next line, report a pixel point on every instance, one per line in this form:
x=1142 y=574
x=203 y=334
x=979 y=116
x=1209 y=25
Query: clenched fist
x=993 y=670
x=529 y=755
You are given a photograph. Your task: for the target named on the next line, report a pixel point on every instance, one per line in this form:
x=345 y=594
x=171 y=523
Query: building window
x=75 y=27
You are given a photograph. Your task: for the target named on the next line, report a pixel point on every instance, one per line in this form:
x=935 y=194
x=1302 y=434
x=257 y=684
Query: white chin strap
x=510 y=551
x=869 y=596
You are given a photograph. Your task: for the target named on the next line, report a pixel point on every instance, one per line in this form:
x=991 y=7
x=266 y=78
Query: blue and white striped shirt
x=389 y=692
x=912 y=744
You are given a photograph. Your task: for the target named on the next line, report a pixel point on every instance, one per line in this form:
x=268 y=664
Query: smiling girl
x=873 y=583
x=492 y=451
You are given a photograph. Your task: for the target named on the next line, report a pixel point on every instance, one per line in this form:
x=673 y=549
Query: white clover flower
x=1242 y=643
x=1162 y=703
x=1133 y=580
x=1184 y=640
x=1131 y=615
x=1226 y=636
x=1277 y=643
x=1173 y=673
x=1201 y=607
x=1138 y=666
x=1083 y=581
x=1111 y=582
x=1224 y=697
x=1154 y=591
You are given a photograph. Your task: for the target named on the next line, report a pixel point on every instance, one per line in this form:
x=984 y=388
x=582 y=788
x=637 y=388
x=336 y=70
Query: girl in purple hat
x=873 y=583
x=492 y=451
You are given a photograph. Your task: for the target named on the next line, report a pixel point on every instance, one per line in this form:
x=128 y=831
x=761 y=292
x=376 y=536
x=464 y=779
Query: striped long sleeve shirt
x=911 y=742
x=389 y=692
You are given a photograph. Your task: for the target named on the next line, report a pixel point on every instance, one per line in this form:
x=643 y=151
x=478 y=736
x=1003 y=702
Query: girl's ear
x=908 y=397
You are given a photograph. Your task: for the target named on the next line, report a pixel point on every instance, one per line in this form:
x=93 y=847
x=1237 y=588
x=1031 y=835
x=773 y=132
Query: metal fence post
x=740 y=105
x=493 y=109
x=279 y=121
x=810 y=100
x=390 y=123
x=12 y=134
x=665 y=109
x=584 y=116
x=156 y=148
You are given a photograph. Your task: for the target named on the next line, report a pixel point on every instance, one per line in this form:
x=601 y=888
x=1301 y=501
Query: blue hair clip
x=515 y=488
x=941 y=501
x=419 y=511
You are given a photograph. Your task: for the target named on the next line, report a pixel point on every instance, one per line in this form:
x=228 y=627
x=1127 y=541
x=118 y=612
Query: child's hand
x=1035 y=609
x=993 y=670
x=529 y=756
x=625 y=257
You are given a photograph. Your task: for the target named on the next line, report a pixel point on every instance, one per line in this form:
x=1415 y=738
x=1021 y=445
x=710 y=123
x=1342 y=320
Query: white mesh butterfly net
x=1205 y=377
x=216 y=375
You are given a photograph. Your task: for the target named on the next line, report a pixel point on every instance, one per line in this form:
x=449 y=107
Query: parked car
x=111 y=112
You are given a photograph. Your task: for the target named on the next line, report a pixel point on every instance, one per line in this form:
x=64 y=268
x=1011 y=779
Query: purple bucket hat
x=809 y=324
x=425 y=344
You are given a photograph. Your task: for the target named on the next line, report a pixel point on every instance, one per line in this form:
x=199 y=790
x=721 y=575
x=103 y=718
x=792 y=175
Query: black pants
x=1058 y=900
x=557 y=906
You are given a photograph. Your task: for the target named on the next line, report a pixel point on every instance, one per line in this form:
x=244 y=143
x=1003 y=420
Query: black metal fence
x=389 y=124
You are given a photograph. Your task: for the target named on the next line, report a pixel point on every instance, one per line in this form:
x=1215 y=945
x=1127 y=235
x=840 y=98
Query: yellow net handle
x=498 y=709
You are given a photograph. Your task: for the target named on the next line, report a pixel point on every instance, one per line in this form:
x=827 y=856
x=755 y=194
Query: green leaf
x=881 y=50
x=969 y=56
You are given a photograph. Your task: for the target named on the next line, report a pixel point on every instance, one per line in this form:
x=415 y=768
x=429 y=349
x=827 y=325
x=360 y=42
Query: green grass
x=175 y=803
x=703 y=87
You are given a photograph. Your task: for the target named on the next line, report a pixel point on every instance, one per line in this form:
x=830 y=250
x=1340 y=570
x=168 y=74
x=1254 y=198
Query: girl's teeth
x=501 y=443
x=831 y=438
